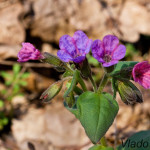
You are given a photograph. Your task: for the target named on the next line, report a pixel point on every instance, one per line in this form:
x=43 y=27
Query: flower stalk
x=103 y=83
x=81 y=82
x=93 y=83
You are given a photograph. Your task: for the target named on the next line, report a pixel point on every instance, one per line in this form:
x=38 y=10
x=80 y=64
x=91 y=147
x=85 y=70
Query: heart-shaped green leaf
x=96 y=113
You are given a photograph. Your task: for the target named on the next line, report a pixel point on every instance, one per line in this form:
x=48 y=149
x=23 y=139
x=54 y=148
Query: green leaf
x=138 y=141
x=25 y=75
x=3 y=91
x=1 y=103
x=5 y=75
x=16 y=89
x=97 y=147
x=8 y=82
x=16 y=68
x=23 y=83
x=100 y=147
x=130 y=50
x=96 y=113
x=123 y=67
x=5 y=121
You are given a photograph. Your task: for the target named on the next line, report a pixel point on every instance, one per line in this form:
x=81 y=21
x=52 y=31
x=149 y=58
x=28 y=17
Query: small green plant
x=13 y=83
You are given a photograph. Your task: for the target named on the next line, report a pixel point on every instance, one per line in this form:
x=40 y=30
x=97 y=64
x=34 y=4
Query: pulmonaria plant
x=95 y=109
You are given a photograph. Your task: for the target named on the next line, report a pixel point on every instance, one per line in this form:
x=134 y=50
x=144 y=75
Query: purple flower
x=28 y=52
x=141 y=74
x=74 y=48
x=108 y=51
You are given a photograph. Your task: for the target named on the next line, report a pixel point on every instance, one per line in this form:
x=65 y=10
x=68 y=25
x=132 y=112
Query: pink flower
x=28 y=52
x=141 y=74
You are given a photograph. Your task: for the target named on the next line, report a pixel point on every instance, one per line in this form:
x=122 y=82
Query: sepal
x=55 y=61
x=129 y=93
x=123 y=70
x=85 y=69
x=52 y=91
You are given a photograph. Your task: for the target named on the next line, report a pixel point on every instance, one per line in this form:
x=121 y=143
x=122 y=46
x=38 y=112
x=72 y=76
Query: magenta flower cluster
x=108 y=52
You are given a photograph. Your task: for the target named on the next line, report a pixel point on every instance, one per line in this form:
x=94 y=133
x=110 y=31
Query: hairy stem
x=80 y=80
x=103 y=83
x=93 y=83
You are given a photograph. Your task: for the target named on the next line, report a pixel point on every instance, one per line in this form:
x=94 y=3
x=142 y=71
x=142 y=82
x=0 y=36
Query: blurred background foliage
x=24 y=120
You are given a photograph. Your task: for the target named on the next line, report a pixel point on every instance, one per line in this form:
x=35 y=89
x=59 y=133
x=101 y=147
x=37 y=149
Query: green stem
x=113 y=82
x=93 y=83
x=103 y=141
x=67 y=67
x=80 y=80
x=77 y=90
x=103 y=83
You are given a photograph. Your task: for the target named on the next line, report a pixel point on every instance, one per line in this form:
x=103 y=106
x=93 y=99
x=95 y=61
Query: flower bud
x=52 y=91
x=28 y=52
x=129 y=93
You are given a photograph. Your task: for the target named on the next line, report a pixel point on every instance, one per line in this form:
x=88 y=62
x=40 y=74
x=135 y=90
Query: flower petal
x=64 y=56
x=110 y=42
x=66 y=43
x=145 y=82
x=82 y=42
x=28 y=46
x=79 y=59
x=119 y=52
x=107 y=64
x=97 y=50
x=140 y=69
x=141 y=74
